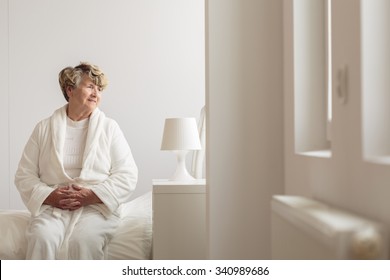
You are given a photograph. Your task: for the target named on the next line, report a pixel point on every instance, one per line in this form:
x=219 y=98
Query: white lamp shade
x=181 y=134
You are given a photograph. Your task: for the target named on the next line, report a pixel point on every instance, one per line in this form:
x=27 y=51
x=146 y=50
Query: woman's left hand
x=84 y=196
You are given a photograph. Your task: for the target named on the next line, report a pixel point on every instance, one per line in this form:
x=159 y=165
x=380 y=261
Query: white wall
x=152 y=52
x=245 y=124
x=347 y=179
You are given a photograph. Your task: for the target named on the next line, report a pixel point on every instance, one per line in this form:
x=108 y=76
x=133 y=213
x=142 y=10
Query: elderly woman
x=75 y=173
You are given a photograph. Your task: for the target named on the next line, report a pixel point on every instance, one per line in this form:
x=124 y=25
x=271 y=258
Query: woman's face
x=86 y=96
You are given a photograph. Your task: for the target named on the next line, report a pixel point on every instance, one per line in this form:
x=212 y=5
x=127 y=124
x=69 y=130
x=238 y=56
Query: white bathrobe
x=108 y=167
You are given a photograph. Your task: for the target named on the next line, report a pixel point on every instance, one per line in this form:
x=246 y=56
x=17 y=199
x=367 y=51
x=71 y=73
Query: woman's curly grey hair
x=71 y=77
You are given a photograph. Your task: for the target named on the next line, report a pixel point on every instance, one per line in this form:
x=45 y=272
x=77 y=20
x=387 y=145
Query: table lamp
x=180 y=136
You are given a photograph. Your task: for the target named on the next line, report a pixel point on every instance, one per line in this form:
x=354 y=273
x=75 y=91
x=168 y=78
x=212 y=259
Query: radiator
x=306 y=229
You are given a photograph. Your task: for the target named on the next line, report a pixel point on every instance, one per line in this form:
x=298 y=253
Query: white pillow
x=133 y=239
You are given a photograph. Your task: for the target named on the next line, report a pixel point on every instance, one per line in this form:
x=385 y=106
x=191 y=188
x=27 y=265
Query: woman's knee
x=44 y=234
x=86 y=247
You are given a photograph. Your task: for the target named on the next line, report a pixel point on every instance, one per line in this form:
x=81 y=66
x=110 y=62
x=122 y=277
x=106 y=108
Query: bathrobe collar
x=58 y=129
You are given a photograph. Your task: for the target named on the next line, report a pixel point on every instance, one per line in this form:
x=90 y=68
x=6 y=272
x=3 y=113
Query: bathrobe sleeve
x=117 y=188
x=27 y=180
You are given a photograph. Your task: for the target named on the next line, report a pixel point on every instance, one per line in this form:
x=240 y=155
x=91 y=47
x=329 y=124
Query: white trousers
x=81 y=234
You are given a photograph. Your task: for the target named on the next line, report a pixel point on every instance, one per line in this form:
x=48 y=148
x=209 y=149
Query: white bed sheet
x=132 y=241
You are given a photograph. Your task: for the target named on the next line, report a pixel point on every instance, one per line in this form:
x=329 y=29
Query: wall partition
x=376 y=80
x=4 y=120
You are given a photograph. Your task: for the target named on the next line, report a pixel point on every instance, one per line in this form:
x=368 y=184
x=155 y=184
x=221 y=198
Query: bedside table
x=179 y=220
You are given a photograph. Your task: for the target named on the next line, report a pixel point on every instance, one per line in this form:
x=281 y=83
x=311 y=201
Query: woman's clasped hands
x=71 y=197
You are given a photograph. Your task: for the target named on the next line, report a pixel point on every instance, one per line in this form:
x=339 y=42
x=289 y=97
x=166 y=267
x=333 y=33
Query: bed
x=132 y=240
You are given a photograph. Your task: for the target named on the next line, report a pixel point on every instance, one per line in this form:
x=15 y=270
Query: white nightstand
x=179 y=220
